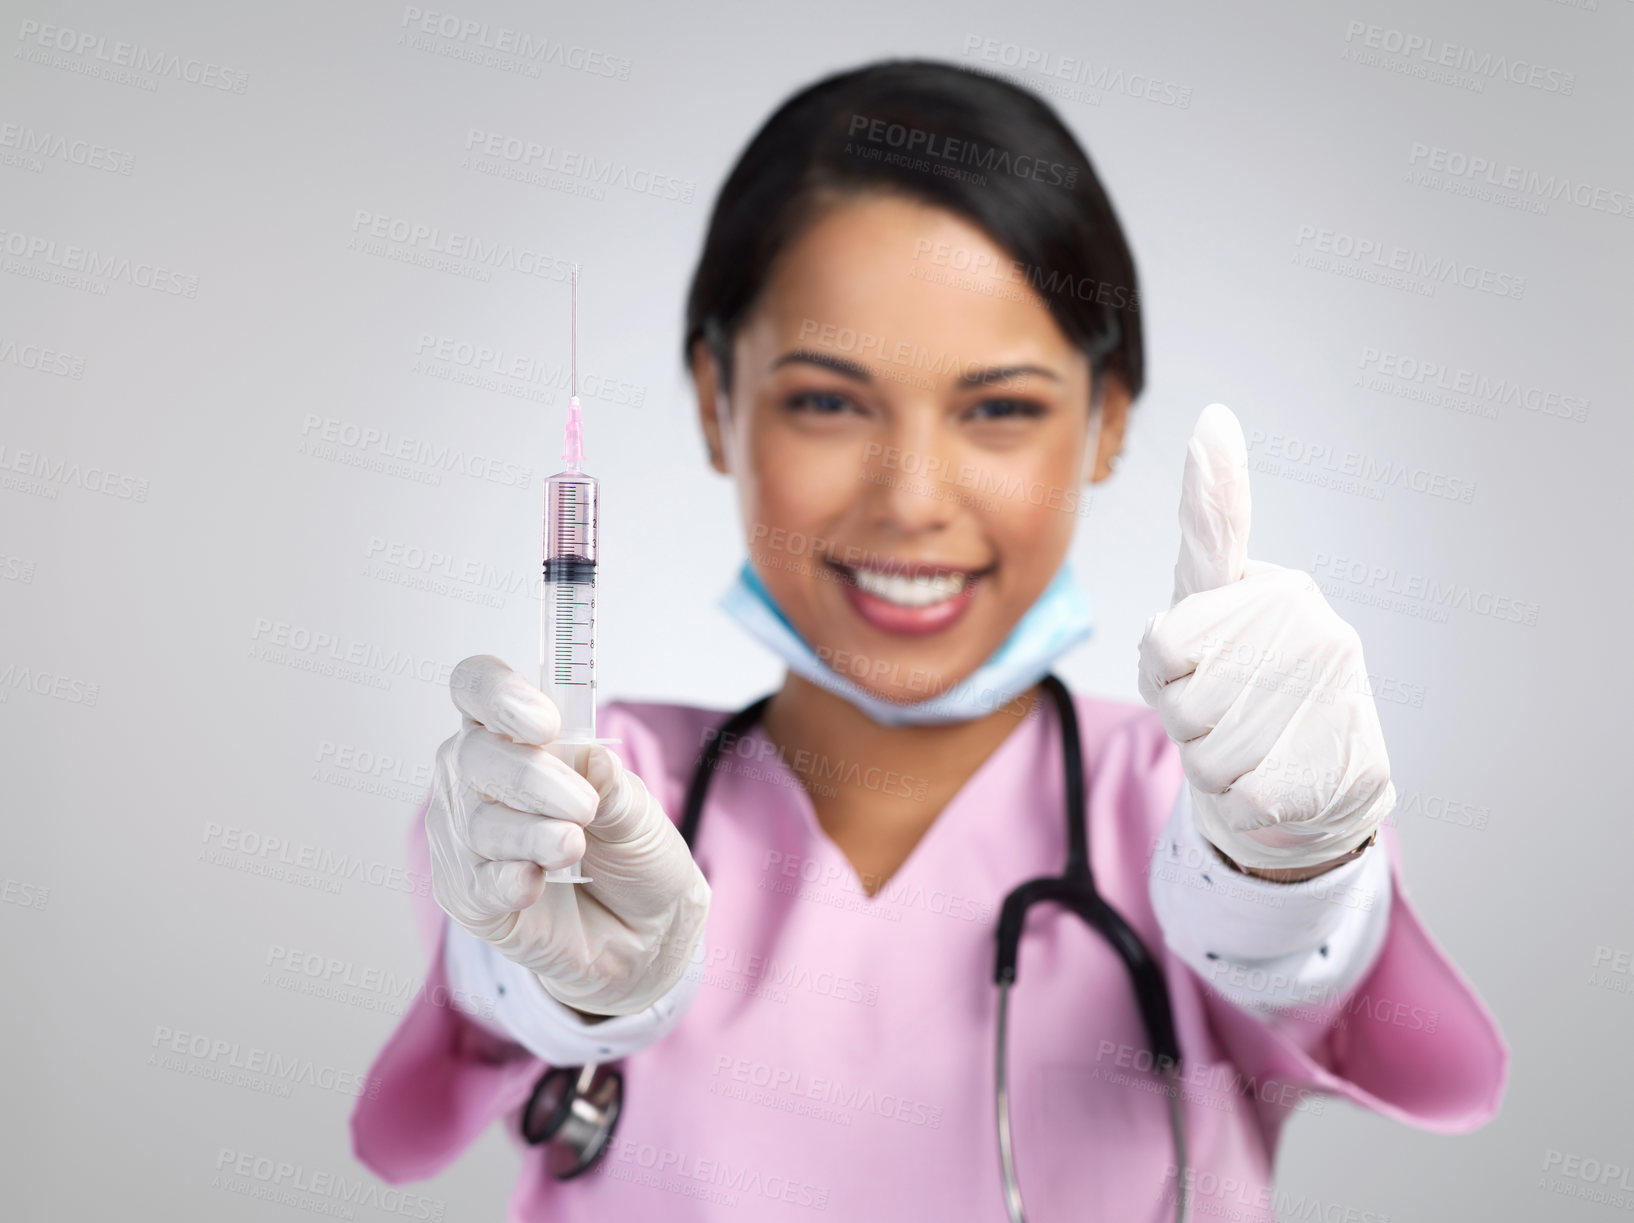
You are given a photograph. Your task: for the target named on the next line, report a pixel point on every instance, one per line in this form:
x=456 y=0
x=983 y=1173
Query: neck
x=805 y=717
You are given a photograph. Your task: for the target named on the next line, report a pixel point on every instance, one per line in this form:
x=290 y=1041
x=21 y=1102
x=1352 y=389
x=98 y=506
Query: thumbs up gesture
x=1260 y=684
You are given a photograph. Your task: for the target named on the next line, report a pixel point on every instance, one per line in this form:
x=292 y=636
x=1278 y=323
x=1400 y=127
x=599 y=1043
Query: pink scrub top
x=837 y=1060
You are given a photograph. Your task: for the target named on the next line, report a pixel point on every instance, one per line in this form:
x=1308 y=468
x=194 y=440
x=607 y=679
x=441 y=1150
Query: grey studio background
x=229 y=601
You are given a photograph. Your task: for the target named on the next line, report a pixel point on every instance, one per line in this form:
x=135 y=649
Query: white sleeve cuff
x=1268 y=947
x=522 y=1011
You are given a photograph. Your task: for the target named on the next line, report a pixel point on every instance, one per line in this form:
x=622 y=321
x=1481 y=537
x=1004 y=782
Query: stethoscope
x=575 y=1109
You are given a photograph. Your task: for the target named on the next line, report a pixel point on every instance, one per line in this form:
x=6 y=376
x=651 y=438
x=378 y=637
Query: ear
x=1114 y=415
x=706 y=381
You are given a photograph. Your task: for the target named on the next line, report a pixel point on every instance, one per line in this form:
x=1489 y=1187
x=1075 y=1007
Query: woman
x=915 y=338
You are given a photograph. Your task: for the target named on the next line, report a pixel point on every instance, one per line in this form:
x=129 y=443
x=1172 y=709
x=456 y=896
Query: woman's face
x=910 y=443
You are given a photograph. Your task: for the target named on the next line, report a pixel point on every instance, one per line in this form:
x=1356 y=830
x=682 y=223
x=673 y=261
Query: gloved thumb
x=601 y=770
x=1214 y=505
x=622 y=812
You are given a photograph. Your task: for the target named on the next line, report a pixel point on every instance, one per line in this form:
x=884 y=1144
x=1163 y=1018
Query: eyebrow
x=1003 y=373
x=853 y=369
x=839 y=365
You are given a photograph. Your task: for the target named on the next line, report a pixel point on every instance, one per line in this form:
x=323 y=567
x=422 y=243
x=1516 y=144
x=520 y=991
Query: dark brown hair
x=975 y=145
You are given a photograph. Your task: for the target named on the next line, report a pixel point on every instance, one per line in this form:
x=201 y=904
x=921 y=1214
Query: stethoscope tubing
x=1073 y=889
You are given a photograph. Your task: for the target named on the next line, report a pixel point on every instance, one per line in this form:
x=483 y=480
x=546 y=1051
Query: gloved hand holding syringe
x=524 y=795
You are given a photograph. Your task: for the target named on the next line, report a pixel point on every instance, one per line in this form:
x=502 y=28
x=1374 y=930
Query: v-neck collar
x=1021 y=741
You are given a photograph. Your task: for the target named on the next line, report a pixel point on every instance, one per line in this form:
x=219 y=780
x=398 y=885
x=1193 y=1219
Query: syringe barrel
x=567 y=642
x=570 y=518
x=567 y=672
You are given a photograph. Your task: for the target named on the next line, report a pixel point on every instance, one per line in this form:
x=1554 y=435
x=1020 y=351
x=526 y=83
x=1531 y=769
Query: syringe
x=567 y=616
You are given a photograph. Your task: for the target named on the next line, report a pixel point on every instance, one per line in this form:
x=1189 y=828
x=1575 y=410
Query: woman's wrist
x=1293 y=874
x=586 y=1016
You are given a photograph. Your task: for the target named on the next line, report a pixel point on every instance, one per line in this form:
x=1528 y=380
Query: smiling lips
x=909 y=600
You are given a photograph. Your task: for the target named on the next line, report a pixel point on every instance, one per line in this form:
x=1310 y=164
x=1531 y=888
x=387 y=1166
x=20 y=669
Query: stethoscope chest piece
x=573 y=1111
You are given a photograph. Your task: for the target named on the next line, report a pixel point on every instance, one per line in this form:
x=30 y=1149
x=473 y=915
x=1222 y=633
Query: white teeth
x=909 y=591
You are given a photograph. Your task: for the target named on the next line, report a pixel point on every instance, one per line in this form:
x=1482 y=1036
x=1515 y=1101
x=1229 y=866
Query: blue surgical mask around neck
x=1057 y=621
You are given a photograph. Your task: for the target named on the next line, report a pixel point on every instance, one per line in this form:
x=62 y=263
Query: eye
x=1007 y=409
x=818 y=403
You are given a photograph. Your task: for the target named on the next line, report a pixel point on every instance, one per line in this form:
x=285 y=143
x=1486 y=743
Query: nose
x=910 y=478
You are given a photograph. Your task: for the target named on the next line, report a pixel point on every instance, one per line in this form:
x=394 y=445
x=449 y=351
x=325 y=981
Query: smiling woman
x=825 y=449
x=913 y=341
x=933 y=434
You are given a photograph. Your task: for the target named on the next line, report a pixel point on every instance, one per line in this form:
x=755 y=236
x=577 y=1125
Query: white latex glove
x=503 y=811
x=1260 y=684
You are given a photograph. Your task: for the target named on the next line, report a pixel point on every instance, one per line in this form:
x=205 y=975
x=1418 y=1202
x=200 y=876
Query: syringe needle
x=573 y=448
